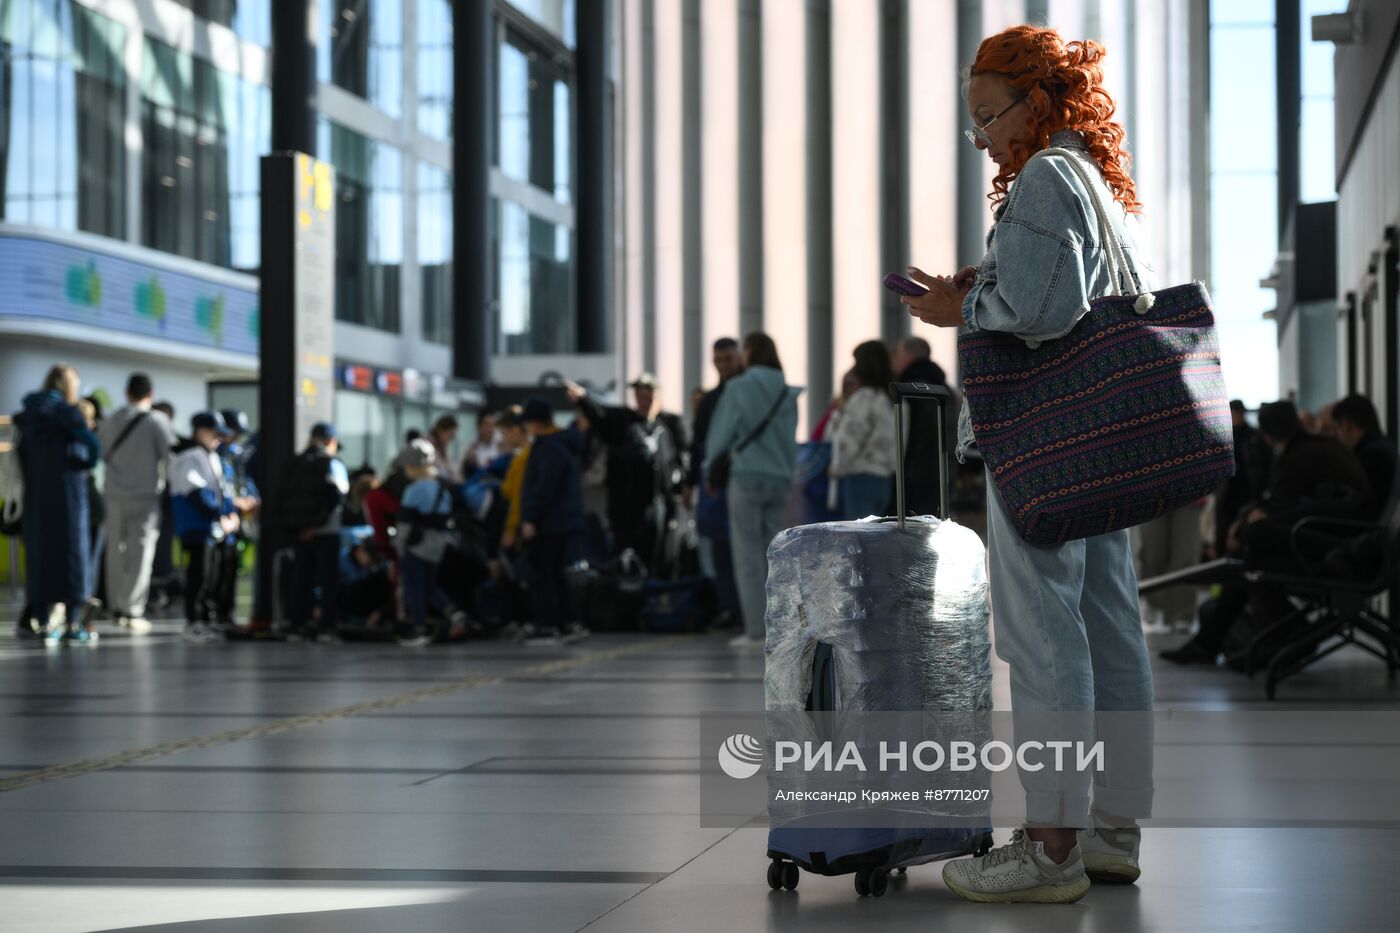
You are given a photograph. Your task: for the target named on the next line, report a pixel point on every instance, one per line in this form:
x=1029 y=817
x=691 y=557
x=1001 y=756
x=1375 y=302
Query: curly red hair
x=1062 y=85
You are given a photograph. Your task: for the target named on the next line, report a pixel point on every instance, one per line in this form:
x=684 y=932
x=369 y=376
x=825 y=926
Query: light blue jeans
x=757 y=513
x=1067 y=621
x=864 y=494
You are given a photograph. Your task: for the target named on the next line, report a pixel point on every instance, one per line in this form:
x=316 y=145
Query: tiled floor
x=554 y=791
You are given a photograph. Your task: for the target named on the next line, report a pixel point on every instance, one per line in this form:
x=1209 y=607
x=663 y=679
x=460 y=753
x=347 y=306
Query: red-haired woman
x=1067 y=617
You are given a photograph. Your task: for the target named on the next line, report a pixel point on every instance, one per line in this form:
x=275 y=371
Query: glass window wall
x=369 y=226
x=534 y=287
x=435 y=68
x=250 y=19
x=435 y=251
x=362 y=50
x=533 y=139
x=62 y=107
x=204 y=131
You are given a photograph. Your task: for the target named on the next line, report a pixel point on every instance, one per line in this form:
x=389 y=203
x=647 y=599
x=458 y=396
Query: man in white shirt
x=135 y=444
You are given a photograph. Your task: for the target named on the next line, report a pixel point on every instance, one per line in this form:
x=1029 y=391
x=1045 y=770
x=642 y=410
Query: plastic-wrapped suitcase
x=877 y=615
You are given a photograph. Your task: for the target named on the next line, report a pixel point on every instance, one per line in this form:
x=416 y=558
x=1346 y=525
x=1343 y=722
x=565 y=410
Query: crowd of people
x=447 y=548
x=443 y=548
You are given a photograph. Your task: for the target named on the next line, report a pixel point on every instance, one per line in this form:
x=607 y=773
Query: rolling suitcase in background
x=877 y=615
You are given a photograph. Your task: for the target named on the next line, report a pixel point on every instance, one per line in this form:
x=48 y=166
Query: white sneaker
x=746 y=643
x=139 y=626
x=198 y=632
x=1111 y=855
x=574 y=633
x=1018 y=873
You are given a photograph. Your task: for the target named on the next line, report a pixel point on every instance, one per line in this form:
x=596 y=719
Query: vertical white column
x=855 y=173
x=132 y=59
x=996 y=16
x=1180 y=131
x=669 y=207
x=719 y=40
x=1150 y=149
x=1068 y=17
x=630 y=332
x=934 y=136
x=785 y=189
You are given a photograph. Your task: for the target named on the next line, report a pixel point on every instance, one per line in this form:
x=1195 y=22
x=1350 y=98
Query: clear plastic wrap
x=904 y=611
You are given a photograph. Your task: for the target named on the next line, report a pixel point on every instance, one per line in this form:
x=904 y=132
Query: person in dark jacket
x=551 y=519
x=712 y=511
x=912 y=361
x=646 y=467
x=1359 y=428
x=312 y=502
x=1253 y=461
x=1312 y=475
x=56 y=449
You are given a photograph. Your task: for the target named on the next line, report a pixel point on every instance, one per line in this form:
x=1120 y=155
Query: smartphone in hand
x=903 y=286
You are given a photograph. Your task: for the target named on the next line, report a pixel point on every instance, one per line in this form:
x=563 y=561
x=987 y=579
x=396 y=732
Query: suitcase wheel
x=872 y=882
x=783 y=875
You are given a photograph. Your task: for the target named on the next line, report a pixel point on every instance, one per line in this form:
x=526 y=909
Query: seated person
x=1312 y=475
x=366 y=587
x=1359 y=428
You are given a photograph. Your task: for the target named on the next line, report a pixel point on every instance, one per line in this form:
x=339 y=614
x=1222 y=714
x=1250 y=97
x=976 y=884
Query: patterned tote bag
x=1111 y=425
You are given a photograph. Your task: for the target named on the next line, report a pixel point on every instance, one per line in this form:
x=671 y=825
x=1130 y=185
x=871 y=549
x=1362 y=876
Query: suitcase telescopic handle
x=900 y=392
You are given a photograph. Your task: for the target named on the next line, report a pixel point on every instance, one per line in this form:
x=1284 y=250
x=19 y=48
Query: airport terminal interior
x=438 y=437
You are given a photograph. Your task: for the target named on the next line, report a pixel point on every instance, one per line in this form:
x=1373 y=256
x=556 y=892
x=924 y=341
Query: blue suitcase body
x=876 y=674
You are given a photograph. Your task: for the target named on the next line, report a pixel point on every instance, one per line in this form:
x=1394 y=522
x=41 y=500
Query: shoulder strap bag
x=717 y=477
x=1116 y=422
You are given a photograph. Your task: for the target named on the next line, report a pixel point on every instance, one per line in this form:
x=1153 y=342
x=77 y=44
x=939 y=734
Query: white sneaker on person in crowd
x=458 y=625
x=121 y=621
x=1111 y=855
x=574 y=633
x=1018 y=873
x=541 y=637
x=138 y=626
x=746 y=643
x=198 y=632
x=81 y=636
x=416 y=640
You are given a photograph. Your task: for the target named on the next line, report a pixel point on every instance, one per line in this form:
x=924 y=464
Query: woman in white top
x=862 y=437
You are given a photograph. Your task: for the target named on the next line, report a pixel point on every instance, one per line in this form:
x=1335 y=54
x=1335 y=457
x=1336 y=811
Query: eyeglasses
x=978 y=134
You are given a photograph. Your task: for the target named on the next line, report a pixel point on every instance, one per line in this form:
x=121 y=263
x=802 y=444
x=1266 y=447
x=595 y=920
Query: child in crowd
x=366 y=587
x=205 y=518
x=425 y=532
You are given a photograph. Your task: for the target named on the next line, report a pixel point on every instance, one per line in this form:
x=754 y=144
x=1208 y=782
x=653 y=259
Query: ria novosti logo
x=741 y=756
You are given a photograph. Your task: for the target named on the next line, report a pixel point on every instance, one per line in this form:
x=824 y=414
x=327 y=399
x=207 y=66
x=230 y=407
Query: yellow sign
x=316 y=183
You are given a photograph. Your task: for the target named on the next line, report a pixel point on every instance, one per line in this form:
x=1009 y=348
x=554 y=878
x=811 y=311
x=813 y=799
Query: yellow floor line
x=88 y=766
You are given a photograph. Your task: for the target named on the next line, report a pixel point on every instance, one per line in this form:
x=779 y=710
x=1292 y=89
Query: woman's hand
x=941 y=305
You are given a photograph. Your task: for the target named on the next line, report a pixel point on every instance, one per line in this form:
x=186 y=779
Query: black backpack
x=306 y=498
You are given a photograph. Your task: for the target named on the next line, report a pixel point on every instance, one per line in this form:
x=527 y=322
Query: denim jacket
x=1044 y=260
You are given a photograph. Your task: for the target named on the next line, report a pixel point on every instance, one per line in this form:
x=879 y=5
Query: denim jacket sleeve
x=1042 y=259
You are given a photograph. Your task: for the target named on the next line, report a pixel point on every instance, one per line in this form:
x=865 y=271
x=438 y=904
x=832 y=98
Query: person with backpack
x=137 y=441
x=206 y=518
x=312 y=495
x=55 y=450
x=425 y=533
x=551 y=513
